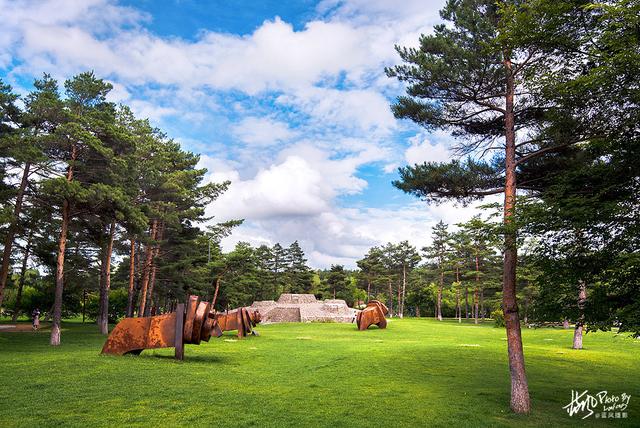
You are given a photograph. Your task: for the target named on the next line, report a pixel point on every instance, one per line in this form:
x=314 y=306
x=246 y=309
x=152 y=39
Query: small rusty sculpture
x=190 y=325
x=241 y=319
x=373 y=314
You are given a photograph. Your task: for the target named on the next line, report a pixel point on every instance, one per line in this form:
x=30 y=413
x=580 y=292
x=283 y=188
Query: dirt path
x=21 y=327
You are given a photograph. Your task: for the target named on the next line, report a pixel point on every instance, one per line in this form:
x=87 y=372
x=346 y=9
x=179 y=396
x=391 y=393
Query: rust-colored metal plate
x=162 y=331
x=190 y=315
x=373 y=314
x=129 y=335
x=201 y=313
x=207 y=329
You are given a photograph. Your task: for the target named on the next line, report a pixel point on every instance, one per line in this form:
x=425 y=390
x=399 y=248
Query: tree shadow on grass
x=191 y=358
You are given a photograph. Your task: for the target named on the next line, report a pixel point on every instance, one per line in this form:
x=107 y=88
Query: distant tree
x=298 y=274
x=438 y=251
x=372 y=270
x=338 y=282
x=406 y=258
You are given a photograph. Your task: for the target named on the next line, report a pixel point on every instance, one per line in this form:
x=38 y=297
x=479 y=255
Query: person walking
x=36 y=318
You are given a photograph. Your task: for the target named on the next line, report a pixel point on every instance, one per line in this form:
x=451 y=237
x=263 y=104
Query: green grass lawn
x=417 y=372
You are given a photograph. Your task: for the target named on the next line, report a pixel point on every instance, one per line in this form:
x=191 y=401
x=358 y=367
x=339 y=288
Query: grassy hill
x=418 y=372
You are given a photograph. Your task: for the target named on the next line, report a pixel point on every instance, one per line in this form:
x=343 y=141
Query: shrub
x=498 y=317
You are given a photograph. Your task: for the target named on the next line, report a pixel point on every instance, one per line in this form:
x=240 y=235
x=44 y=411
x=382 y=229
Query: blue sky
x=287 y=99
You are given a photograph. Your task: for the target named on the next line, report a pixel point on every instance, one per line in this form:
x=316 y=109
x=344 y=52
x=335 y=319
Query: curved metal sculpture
x=241 y=319
x=188 y=325
x=373 y=314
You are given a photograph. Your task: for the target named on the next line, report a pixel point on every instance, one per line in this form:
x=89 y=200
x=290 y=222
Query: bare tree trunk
x=132 y=275
x=62 y=246
x=147 y=269
x=368 y=289
x=475 y=305
x=215 y=294
x=404 y=289
x=577 y=333
x=439 y=301
x=101 y=281
x=520 y=402
x=152 y=283
x=466 y=302
x=390 y=300
x=156 y=252
x=482 y=303
x=13 y=228
x=57 y=304
x=23 y=271
x=475 y=291
x=458 y=308
x=106 y=283
x=399 y=303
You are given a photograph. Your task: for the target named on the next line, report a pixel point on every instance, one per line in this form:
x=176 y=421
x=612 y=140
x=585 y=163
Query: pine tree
x=439 y=251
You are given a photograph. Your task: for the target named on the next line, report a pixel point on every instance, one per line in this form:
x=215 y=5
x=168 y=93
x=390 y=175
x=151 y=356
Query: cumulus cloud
x=57 y=35
x=422 y=150
x=262 y=131
x=344 y=235
x=367 y=110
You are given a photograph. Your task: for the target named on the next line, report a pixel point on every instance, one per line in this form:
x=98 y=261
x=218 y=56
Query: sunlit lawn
x=417 y=372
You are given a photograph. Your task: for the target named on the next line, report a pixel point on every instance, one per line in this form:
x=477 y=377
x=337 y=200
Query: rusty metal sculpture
x=241 y=319
x=373 y=314
x=188 y=325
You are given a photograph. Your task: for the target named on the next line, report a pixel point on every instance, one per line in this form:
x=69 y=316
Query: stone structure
x=303 y=308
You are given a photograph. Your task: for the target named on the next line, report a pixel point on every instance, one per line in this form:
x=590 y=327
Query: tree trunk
x=458 y=308
x=404 y=289
x=482 y=303
x=132 y=275
x=399 y=302
x=62 y=246
x=23 y=271
x=439 y=299
x=215 y=294
x=466 y=302
x=147 y=269
x=390 y=300
x=13 y=228
x=475 y=305
x=152 y=281
x=475 y=291
x=106 y=283
x=577 y=333
x=368 y=289
x=520 y=402
x=57 y=303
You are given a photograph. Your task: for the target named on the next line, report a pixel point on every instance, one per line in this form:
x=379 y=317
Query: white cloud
x=218 y=170
x=344 y=235
x=363 y=109
x=422 y=150
x=262 y=131
x=291 y=188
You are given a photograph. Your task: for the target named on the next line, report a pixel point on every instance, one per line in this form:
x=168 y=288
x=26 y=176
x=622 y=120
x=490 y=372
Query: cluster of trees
x=460 y=270
x=544 y=98
x=247 y=274
x=83 y=179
